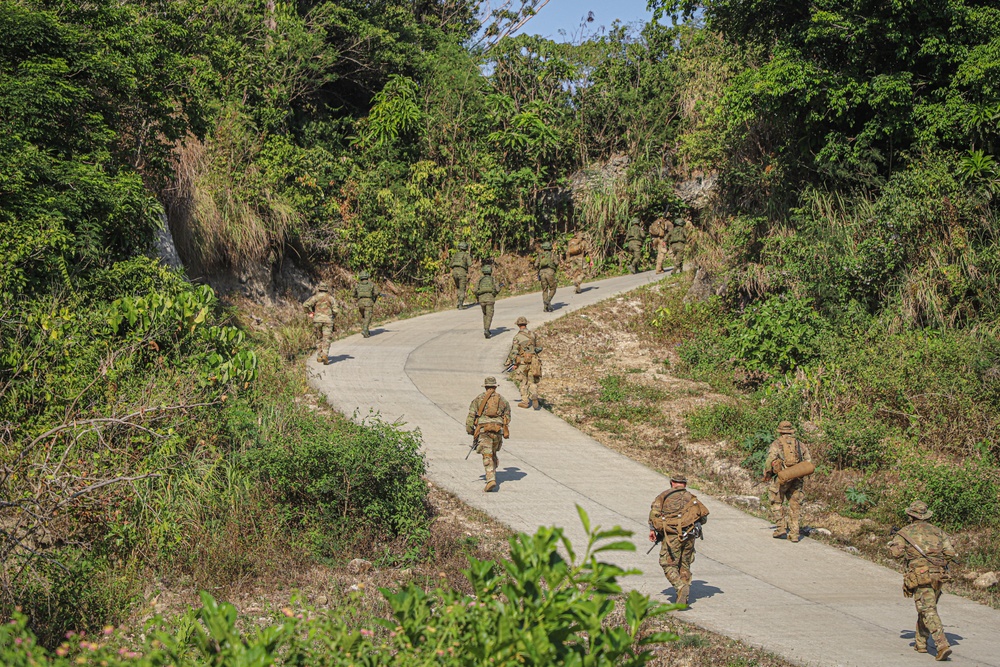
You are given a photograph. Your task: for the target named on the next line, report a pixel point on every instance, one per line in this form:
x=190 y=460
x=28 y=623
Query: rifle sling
x=482 y=407
x=932 y=561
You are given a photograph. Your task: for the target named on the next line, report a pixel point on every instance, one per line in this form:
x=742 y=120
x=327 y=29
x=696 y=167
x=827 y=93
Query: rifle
x=475 y=443
x=659 y=539
x=510 y=368
x=694 y=532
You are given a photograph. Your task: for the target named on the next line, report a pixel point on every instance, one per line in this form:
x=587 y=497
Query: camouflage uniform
x=460 y=263
x=785 y=452
x=677 y=238
x=323 y=309
x=633 y=241
x=578 y=263
x=489 y=424
x=547 y=263
x=365 y=296
x=666 y=513
x=523 y=349
x=486 y=294
x=660 y=240
x=927 y=552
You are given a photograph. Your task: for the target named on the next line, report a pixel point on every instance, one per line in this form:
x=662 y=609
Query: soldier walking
x=460 y=263
x=547 y=263
x=678 y=241
x=634 y=237
x=523 y=356
x=365 y=296
x=927 y=552
x=578 y=255
x=322 y=309
x=486 y=295
x=659 y=230
x=675 y=520
x=487 y=422
x=785 y=452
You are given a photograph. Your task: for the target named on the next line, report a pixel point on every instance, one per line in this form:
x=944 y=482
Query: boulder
x=820 y=531
x=359 y=566
x=986 y=580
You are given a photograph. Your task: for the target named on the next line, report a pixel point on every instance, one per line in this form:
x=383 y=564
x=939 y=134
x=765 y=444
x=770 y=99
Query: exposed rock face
x=166 y=249
x=986 y=580
x=697 y=192
x=599 y=176
x=701 y=288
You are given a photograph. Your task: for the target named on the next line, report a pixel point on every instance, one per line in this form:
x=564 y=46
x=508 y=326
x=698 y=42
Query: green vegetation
x=541 y=609
x=624 y=401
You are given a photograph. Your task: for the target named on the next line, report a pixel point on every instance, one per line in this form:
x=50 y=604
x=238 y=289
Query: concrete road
x=811 y=603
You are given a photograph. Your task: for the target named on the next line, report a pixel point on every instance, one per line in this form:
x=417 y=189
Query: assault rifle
x=475 y=443
x=694 y=532
x=510 y=368
x=659 y=538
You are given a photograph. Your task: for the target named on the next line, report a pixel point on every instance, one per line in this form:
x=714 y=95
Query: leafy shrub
x=537 y=608
x=747 y=418
x=777 y=335
x=860 y=439
x=621 y=400
x=959 y=495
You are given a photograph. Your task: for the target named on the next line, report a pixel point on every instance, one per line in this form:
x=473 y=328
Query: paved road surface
x=811 y=603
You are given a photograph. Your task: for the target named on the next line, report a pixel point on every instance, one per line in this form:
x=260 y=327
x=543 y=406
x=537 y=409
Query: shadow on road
x=953 y=639
x=558 y=305
x=338 y=357
x=699 y=591
x=510 y=474
x=587 y=289
x=376 y=332
x=496 y=331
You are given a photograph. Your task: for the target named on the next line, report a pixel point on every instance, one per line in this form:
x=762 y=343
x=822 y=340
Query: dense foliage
x=512 y=618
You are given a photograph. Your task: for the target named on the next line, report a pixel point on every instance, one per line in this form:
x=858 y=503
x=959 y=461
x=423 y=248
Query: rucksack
x=365 y=290
x=656 y=229
x=575 y=247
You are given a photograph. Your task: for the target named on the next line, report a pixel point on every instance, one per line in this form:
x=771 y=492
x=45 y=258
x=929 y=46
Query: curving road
x=811 y=603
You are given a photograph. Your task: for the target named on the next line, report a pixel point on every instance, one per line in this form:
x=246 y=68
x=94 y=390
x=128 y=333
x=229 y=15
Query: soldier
x=322 y=309
x=677 y=238
x=365 y=296
x=675 y=520
x=659 y=230
x=523 y=356
x=578 y=255
x=486 y=294
x=634 y=237
x=460 y=263
x=785 y=452
x=547 y=263
x=487 y=422
x=927 y=552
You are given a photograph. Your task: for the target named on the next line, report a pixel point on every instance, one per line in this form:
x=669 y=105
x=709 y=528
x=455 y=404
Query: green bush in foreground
x=535 y=609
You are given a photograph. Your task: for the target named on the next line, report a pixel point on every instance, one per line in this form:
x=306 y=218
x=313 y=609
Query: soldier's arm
x=308 y=303
x=897 y=546
x=806 y=456
x=947 y=550
x=773 y=454
x=470 y=419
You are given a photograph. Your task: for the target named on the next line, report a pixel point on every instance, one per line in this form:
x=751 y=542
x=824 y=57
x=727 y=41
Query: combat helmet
x=521 y=320
x=786 y=427
x=680 y=222
x=323 y=287
x=547 y=245
x=462 y=245
x=364 y=275
x=918 y=510
x=487 y=269
x=490 y=381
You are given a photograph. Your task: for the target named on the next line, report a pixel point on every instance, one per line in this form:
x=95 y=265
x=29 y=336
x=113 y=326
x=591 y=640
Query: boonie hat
x=490 y=381
x=918 y=510
x=521 y=320
x=786 y=427
x=323 y=287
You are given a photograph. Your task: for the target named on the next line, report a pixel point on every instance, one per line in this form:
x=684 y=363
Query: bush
x=860 y=439
x=538 y=608
x=959 y=495
x=778 y=335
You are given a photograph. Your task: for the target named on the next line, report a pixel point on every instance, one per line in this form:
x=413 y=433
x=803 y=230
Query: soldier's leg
x=921 y=635
x=687 y=558
x=795 y=496
x=487 y=447
x=661 y=254
x=456 y=276
x=926 y=599
x=533 y=387
x=318 y=332
x=522 y=384
x=777 y=510
x=327 y=337
x=670 y=561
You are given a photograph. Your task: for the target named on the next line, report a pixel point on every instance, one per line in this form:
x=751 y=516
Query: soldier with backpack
x=677 y=238
x=547 y=263
x=486 y=294
x=487 y=423
x=460 y=263
x=927 y=552
x=634 y=238
x=322 y=309
x=523 y=356
x=578 y=255
x=786 y=458
x=365 y=296
x=659 y=230
x=675 y=520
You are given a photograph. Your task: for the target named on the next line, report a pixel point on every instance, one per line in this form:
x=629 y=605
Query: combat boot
x=943 y=653
x=779 y=532
x=920 y=649
x=793 y=536
x=490 y=486
x=682 y=594
x=524 y=404
x=486 y=333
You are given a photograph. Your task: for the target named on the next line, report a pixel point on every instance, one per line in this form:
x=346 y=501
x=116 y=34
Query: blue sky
x=567 y=14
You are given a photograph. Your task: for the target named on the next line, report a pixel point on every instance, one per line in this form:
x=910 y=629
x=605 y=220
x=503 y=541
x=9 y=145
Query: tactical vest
x=486 y=286
x=678 y=235
x=791 y=451
x=656 y=229
x=545 y=260
x=459 y=260
x=324 y=307
x=364 y=290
